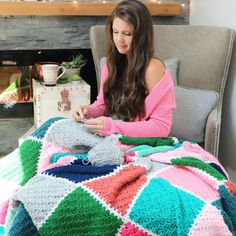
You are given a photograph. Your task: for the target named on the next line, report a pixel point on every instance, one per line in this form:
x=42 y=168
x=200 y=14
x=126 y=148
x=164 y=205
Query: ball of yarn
x=106 y=153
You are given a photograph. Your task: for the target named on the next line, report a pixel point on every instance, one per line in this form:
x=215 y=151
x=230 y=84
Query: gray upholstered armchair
x=199 y=59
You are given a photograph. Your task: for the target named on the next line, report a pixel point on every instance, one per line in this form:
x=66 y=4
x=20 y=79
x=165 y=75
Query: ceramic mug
x=50 y=73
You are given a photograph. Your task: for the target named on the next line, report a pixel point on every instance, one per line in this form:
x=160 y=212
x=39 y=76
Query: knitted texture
x=24 y=225
x=58 y=189
x=10 y=167
x=150 y=150
x=154 y=142
x=49 y=150
x=106 y=153
x=100 y=204
x=40 y=133
x=70 y=134
x=191 y=161
x=55 y=158
x=29 y=155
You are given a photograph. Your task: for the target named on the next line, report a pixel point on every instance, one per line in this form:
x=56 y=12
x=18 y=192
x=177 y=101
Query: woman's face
x=122 y=35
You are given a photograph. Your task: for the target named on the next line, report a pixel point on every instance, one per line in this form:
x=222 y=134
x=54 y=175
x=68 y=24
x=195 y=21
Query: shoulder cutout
x=154 y=73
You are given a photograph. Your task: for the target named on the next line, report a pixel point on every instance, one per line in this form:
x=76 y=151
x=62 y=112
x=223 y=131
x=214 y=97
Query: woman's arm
x=97 y=108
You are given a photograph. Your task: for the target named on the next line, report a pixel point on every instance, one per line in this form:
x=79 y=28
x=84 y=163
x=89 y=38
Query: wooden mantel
x=80 y=8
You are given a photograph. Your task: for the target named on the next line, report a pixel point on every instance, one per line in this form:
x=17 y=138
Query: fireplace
x=17 y=70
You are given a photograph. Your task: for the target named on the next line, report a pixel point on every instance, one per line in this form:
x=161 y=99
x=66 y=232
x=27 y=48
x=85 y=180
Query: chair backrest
x=203 y=54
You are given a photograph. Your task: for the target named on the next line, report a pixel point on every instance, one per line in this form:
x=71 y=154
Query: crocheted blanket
x=162 y=187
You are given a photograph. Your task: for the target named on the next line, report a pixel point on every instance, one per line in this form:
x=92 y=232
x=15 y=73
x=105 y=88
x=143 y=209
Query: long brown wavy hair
x=125 y=90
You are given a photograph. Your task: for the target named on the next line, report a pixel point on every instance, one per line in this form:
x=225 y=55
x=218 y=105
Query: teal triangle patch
x=164 y=209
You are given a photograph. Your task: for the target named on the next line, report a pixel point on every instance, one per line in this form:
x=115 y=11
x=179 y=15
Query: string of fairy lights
x=183 y=5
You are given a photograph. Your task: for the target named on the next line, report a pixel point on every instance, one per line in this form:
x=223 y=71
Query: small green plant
x=76 y=62
x=75 y=77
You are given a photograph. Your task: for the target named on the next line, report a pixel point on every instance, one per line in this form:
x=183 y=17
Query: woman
x=136 y=96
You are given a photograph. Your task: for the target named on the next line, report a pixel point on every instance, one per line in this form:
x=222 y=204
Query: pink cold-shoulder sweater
x=159 y=105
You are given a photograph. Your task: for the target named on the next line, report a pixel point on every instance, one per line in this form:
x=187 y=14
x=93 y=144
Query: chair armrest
x=212 y=131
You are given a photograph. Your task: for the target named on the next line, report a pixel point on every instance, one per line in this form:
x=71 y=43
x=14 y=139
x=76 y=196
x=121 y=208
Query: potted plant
x=73 y=67
x=75 y=79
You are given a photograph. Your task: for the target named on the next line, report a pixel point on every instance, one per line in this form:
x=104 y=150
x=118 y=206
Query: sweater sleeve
x=97 y=108
x=159 y=105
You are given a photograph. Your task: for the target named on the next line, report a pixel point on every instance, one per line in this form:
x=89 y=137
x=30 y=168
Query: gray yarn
x=106 y=153
x=102 y=151
x=113 y=138
x=68 y=133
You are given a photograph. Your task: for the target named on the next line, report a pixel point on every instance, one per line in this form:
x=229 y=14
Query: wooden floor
x=10 y=132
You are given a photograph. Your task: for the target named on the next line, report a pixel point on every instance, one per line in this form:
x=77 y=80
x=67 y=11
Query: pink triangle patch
x=129 y=229
x=209 y=222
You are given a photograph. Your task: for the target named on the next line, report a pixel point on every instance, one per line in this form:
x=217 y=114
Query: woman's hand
x=95 y=125
x=80 y=112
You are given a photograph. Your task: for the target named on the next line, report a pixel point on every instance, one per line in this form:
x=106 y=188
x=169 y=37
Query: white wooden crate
x=60 y=100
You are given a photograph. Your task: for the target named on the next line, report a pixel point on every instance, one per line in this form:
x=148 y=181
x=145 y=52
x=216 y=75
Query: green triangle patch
x=80 y=214
x=29 y=152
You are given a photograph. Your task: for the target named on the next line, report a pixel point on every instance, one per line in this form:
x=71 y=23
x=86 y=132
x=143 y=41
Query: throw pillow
x=192 y=109
x=171 y=65
x=103 y=61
